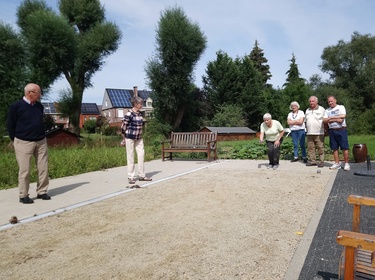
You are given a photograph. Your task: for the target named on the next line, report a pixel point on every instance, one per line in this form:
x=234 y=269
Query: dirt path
x=210 y=224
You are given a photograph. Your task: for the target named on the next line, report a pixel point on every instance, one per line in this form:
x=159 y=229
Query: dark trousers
x=273 y=152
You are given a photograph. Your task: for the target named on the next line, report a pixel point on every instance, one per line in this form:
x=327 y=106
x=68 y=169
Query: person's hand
x=261 y=141
x=276 y=143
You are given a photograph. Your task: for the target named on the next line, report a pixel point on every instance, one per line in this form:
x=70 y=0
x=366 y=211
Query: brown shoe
x=311 y=164
x=321 y=164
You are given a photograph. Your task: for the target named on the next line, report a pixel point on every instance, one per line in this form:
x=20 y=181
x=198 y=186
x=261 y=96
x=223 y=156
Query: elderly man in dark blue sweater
x=26 y=130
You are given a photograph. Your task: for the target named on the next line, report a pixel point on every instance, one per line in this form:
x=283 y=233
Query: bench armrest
x=356 y=240
x=361 y=200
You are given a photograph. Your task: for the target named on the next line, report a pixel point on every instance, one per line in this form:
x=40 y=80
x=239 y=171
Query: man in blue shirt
x=26 y=130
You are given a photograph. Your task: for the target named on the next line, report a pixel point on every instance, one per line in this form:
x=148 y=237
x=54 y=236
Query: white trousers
x=132 y=144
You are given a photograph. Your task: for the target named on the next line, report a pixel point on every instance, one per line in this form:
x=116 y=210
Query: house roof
x=120 y=98
x=56 y=130
x=49 y=108
x=232 y=130
x=89 y=109
x=86 y=108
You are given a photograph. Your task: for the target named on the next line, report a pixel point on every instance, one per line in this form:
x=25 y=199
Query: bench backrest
x=192 y=139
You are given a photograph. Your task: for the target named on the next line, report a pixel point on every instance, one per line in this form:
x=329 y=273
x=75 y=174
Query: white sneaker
x=275 y=167
x=347 y=167
x=335 y=166
x=269 y=166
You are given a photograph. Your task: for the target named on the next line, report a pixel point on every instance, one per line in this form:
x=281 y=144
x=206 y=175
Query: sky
x=282 y=28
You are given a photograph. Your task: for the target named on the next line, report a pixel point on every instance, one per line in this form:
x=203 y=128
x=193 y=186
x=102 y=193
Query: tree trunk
x=178 y=119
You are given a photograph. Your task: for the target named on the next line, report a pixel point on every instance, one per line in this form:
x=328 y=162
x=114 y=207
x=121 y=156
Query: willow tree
x=12 y=70
x=72 y=44
x=179 y=45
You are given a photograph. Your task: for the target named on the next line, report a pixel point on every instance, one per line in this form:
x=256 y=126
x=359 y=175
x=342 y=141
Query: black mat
x=370 y=173
x=322 y=261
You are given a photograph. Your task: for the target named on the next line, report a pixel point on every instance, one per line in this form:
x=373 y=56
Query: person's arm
x=261 y=137
x=11 y=122
x=277 y=141
x=338 y=119
x=299 y=121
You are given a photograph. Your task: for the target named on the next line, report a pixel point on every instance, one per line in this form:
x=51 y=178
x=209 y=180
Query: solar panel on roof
x=89 y=109
x=49 y=108
x=121 y=98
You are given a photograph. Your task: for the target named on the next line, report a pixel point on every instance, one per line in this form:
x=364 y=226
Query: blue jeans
x=298 y=137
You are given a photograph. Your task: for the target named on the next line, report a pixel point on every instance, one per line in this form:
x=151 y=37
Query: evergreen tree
x=295 y=88
x=221 y=80
x=251 y=97
x=260 y=62
x=293 y=73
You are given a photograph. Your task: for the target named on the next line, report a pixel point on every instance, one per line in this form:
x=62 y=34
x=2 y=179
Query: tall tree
x=179 y=45
x=293 y=74
x=295 y=87
x=221 y=80
x=235 y=82
x=351 y=66
x=251 y=97
x=260 y=62
x=73 y=44
x=12 y=70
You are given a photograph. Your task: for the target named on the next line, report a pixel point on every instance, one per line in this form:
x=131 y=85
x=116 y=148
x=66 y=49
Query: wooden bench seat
x=190 y=142
x=358 y=258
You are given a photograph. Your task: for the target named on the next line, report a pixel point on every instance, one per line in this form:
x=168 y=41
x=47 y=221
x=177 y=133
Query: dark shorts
x=338 y=139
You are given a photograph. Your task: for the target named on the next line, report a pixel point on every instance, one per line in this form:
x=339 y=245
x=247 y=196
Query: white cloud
x=304 y=28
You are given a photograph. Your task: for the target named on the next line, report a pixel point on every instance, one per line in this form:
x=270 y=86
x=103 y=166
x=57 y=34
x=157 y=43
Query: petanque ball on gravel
x=13 y=220
x=318 y=171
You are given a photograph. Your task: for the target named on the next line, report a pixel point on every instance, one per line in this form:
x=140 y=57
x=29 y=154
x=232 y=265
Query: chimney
x=135 y=91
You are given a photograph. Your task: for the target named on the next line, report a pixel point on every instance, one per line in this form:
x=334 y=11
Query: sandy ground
x=210 y=224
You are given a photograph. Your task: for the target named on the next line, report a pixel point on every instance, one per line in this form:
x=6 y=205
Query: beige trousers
x=315 y=142
x=25 y=150
x=132 y=144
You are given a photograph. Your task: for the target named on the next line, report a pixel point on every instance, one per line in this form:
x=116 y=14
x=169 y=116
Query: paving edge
x=97 y=199
x=298 y=259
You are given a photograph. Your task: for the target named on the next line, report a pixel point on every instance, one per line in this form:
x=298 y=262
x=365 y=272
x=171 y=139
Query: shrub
x=111 y=131
x=90 y=126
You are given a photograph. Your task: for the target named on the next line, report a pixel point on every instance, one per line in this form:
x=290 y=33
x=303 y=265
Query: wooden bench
x=358 y=258
x=190 y=142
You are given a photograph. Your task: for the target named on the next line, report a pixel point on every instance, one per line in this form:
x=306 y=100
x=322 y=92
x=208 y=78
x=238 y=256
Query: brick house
x=117 y=102
x=60 y=120
x=88 y=111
